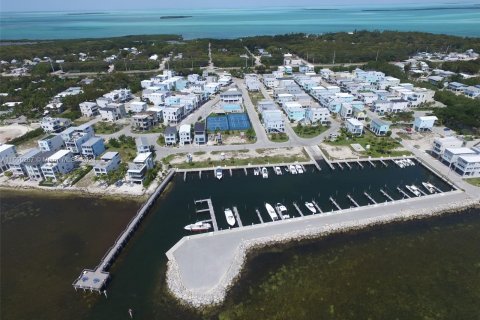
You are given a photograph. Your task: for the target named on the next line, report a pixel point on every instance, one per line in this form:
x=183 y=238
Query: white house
x=7 y=152
x=113 y=112
x=173 y=114
x=139 y=167
x=184 y=134
x=354 y=126
x=424 y=123
x=316 y=114
x=110 y=161
x=136 y=107
x=89 y=109
x=57 y=164
x=56 y=125
x=450 y=155
x=142 y=145
x=170 y=135
x=273 y=121
x=468 y=165
x=440 y=144
x=231 y=96
x=93 y=147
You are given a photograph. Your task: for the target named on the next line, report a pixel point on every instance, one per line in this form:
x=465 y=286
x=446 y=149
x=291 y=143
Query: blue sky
x=89 y=5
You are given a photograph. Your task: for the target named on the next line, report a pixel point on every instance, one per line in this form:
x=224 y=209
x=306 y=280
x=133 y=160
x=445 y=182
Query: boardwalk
x=96 y=279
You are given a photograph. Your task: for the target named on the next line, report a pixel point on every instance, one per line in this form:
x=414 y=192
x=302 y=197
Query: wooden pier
x=352 y=200
x=335 y=203
x=317 y=206
x=370 y=198
x=386 y=195
x=259 y=215
x=403 y=192
x=210 y=209
x=96 y=279
x=237 y=216
x=298 y=209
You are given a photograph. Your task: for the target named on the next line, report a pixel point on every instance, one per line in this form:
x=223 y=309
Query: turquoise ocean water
x=462 y=20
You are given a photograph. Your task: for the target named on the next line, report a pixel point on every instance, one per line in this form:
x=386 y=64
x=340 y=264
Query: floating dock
x=96 y=279
x=335 y=203
x=370 y=198
x=352 y=200
x=386 y=195
x=237 y=216
x=298 y=209
x=259 y=215
x=360 y=164
x=210 y=210
x=403 y=192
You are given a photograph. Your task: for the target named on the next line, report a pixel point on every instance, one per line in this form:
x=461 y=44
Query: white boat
x=286 y=169
x=299 y=168
x=256 y=171
x=271 y=211
x=293 y=170
x=230 y=217
x=430 y=187
x=219 y=173
x=410 y=162
x=198 y=226
x=264 y=173
x=278 y=171
x=310 y=207
x=282 y=211
x=413 y=189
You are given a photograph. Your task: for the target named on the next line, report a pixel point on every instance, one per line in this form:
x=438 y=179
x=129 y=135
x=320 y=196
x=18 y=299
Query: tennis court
x=219 y=123
x=238 y=121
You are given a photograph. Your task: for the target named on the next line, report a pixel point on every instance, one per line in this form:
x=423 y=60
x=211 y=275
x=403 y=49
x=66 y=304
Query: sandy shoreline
x=216 y=295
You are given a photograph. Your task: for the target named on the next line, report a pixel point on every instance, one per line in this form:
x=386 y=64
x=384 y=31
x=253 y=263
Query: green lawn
x=106 y=127
x=308 y=131
x=379 y=146
x=255 y=97
x=474 y=181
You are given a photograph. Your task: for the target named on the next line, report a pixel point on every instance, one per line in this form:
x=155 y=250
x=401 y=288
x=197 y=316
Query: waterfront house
x=424 y=123
x=354 y=126
x=60 y=163
x=379 y=127
x=142 y=145
x=139 y=167
x=51 y=142
x=450 y=155
x=16 y=165
x=440 y=144
x=55 y=125
x=7 y=153
x=110 y=161
x=74 y=137
x=200 y=133
x=33 y=167
x=185 y=136
x=89 y=109
x=170 y=135
x=145 y=120
x=468 y=165
x=273 y=121
x=93 y=147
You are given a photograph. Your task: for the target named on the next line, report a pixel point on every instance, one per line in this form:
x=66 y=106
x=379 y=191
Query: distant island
x=174 y=17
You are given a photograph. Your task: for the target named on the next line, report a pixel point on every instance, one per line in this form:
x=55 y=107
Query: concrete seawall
x=202 y=268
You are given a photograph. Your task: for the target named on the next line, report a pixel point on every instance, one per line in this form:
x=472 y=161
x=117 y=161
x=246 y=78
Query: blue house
x=425 y=123
x=379 y=127
x=93 y=147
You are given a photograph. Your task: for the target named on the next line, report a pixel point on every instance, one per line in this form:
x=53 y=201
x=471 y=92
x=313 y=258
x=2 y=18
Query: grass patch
x=125 y=146
x=106 y=127
x=278 y=137
x=79 y=173
x=156 y=129
x=474 y=181
x=113 y=176
x=400 y=117
x=308 y=131
x=199 y=153
x=255 y=97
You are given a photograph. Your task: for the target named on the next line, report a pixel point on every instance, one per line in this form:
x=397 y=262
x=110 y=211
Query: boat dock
x=371 y=163
x=348 y=165
x=317 y=206
x=384 y=163
x=298 y=209
x=340 y=165
x=315 y=155
x=259 y=215
x=403 y=192
x=96 y=279
x=335 y=203
x=386 y=195
x=360 y=164
x=237 y=216
x=210 y=210
x=352 y=200
x=421 y=191
x=369 y=198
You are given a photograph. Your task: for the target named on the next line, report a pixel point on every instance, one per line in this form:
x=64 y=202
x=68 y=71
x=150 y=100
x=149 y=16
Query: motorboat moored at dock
x=282 y=211
x=198 y=226
x=256 y=171
x=430 y=187
x=413 y=189
x=278 y=171
x=230 y=217
x=310 y=207
x=299 y=168
x=271 y=211
x=264 y=173
x=219 y=173
x=293 y=170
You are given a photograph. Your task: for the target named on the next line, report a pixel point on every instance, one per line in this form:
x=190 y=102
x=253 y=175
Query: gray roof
x=199 y=126
x=141 y=141
x=170 y=130
x=90 y=142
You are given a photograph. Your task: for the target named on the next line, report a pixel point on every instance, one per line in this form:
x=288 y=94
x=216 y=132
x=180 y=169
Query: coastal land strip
x=202 y=268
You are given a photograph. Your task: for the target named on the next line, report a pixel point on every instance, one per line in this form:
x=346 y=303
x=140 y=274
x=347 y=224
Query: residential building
x=74 y=137
x=472 y=92
x=294 y=111
x=200 y=133
x=113 y=112
x=317 y=114
x=456 y=86
x=468 y=165
x=7 y=153
x=89 y=109
x=231 y=96
x=61 y=162
x=424 y=123
x=170 y=135
x=450 y=155
x=173 y=114
x=93 y=147
x=440 y=144
x=136 y=107
x=252 y=82
x=435 y=80
x=346 y=111
x=184 y=134
x=33 y=168
x=354 y=126
x=266 y=105
x=273 y=121
x=55 y=125
x=51 y=143
x=270 y=81
x=139 y=167
x=16 y=165
x=145 y=120
x=142 y=145
x=379 y=127
x=109 y=162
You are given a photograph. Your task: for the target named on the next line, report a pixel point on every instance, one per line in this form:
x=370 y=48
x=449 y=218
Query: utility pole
x=376 y=59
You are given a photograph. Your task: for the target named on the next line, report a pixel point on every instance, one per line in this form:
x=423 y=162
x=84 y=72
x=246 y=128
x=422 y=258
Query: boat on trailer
x=271 y=212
